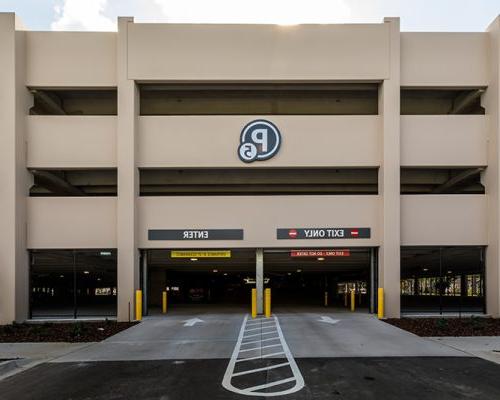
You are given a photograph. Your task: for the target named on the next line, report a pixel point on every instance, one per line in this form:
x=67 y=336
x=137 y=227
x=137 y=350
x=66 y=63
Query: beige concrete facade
x=176 y=53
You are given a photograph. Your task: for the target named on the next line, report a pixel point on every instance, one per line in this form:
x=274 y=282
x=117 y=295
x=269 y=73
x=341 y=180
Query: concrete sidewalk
x=28 y=355
x=485 y=347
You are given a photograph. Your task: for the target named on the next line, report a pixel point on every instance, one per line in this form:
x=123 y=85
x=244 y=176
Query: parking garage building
x=206 y=160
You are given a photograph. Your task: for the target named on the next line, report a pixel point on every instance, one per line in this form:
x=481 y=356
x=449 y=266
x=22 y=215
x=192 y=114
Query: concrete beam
x=57 y=184
x=457 y=180
x=48 y=102
x=465 y=100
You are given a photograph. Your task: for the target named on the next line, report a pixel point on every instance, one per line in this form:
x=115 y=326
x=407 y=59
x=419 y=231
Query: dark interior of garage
x=306 y=279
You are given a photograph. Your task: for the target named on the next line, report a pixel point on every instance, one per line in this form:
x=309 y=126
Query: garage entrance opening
x=321 y=277
x=208 y=278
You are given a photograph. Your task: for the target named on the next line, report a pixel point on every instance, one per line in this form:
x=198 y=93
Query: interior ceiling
x=275 y=260
x=255 y=181
x=82 y=259
x=432 y=261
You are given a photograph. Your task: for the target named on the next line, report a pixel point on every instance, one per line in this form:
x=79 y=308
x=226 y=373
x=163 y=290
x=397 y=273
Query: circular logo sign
x=260 y=140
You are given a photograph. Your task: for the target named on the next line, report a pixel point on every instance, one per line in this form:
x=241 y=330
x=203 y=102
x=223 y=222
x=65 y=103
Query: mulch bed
x=61 y=332
x=469 y=326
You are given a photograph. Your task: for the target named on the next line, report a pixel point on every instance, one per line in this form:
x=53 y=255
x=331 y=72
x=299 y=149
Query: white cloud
x=100 y=15
x=255 y=11
x=85 y=15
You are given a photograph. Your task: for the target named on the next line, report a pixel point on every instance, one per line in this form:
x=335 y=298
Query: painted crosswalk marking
x=260 y=357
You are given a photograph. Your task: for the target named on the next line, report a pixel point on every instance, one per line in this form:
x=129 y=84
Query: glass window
x=71 y=284
x=442 y=279
x=52 y=285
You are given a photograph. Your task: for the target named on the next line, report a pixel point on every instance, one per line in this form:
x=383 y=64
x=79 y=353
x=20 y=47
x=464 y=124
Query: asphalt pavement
x=297 y=354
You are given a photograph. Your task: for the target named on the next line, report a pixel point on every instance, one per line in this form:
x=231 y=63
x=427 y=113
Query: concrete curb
x=7 y=367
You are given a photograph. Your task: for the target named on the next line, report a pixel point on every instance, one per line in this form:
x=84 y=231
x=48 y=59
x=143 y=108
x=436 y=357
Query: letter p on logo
x=260 y=137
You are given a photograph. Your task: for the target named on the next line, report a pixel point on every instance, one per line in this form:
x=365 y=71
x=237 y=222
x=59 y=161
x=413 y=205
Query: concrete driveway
x=198 y=334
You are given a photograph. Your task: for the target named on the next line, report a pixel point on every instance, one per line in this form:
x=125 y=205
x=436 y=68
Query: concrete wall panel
x=259 y=217
x=71 y=141
x=444 y=59
x=71 y=222
x=257 y=52
x=71 y=59
x=444 y=140
x=212 y=141
x=432 y=220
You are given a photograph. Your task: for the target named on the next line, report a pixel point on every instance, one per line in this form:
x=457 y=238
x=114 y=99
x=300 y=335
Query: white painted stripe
x=260 y=356
x=254 y=390
x=271 y=384
x=260 y=328
x=260 y=348
x=262 y=340
x=261 y=323
x=251 y=371
x=259 y=334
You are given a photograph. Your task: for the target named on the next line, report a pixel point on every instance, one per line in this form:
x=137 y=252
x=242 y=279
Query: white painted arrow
x=192 y=321
x=328 y=320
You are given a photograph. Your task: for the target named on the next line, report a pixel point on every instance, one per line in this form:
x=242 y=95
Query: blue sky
x=416 y=15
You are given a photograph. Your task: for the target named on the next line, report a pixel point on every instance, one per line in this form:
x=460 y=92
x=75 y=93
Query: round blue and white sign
x=260 y=140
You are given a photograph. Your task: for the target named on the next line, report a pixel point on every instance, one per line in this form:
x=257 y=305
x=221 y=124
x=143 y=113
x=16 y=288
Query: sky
x=100 y=15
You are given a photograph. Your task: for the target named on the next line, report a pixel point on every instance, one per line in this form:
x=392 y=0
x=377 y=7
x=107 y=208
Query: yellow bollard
x=267 y=303
x=380 y=311
x=164 y=302
x=254 y=303
x=138 y=305
x=326 y=299
x=353 y=300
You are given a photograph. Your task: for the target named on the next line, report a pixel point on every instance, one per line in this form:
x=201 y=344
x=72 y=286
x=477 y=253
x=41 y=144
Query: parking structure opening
x=321 y=277
x=210 y=278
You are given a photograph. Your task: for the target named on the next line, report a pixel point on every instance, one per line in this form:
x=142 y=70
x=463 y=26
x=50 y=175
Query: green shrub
x=77 y=330
x=441 y=323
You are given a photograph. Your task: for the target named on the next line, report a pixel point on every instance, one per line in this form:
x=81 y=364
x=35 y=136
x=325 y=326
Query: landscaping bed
x=61 y=332
x=469 y=326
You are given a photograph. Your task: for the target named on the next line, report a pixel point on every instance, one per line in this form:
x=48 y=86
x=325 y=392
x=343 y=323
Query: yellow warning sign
x=200 y=254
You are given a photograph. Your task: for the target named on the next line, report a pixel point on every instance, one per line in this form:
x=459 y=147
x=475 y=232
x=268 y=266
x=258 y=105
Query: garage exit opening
x=223 y=278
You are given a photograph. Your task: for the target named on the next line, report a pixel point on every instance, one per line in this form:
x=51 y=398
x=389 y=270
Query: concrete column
x=389 y=177
x=145 y=292
x=128 y=179
x=491 y=102
x=15 y=101
x=373 y=287
x=259 y=279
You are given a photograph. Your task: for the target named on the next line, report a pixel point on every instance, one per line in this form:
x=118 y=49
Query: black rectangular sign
x=323 y=233
x=195 y=234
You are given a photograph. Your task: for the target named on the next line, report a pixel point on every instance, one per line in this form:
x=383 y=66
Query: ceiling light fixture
x=321 y=258
x=194 y=259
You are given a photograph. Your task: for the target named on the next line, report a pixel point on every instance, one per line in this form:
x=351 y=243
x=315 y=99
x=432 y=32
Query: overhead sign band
x=195 y=234
x=200 y=254
x=323 y=233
